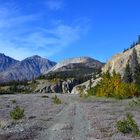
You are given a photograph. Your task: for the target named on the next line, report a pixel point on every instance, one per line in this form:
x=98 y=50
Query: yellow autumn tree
x=111 y=85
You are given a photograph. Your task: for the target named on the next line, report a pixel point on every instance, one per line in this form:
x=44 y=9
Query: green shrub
x=56 y=100
x=45 y=96
x=17 y=113
x=14 y=101
x=128 y=125
x=135 y=103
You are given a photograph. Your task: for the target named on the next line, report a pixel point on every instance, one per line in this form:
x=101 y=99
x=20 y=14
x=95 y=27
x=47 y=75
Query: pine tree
x=133 y=60
x=124 y=50
x=137 y=75
x=139 y=39
x=133 y=45
x=90 y=83
x=128 y=74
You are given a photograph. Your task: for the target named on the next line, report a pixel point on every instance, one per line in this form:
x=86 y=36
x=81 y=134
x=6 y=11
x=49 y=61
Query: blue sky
x=60 y=29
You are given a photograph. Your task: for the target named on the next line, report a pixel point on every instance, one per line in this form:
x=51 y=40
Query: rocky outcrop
x=6 y=62
x=56 y=87
x=84 y=87
x=27 y=69
x=119 y=61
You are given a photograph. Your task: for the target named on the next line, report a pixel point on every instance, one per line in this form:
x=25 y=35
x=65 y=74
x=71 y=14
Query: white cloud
x=20 y=39
x=54 y=4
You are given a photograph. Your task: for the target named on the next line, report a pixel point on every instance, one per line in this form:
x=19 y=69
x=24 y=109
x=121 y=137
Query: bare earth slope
x=74 y=119
x=119 y=61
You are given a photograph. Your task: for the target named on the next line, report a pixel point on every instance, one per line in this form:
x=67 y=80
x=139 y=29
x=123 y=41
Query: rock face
x=27 y=69
x=119 y=61
x=56 y=87
x=69 y=64
x=84 y=87
x=6 y=62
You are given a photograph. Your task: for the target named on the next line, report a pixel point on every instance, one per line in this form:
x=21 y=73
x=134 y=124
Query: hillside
x=119 y=61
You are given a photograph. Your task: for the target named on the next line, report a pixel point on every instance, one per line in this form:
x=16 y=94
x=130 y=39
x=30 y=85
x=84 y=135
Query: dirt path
x=70 y=124
x=74 y=119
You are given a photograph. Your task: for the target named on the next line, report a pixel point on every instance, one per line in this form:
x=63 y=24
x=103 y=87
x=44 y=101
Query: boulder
x=84 y=87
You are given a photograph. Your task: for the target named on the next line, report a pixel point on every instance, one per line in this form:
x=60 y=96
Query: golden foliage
x=112 y=86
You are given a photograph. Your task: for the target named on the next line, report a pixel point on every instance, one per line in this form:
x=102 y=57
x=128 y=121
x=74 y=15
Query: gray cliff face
x=27 y=69
x=57 y=87
x=6 y=62
x=119 y=61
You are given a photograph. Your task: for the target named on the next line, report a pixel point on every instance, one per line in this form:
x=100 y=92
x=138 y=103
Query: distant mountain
x=6 y=62
x=78 y=68
x=27 y=69
x=76 y=63
x=119 y=61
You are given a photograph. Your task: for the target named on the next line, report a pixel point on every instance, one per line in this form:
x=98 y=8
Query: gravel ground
x=74 y=119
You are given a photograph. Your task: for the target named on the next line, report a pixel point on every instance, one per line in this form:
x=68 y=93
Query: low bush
x=45 y=96
x=128 y=125
x=135 y=103
x=17 y=113
x=56 y=100
x=14 y=101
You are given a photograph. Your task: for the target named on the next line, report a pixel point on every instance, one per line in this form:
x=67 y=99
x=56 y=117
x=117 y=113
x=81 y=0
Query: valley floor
x=74 y=119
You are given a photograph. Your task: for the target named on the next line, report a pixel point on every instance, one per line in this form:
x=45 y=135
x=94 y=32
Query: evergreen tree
x=137 y=75
x=124 y=50
x=133 y=45
x=90 y=83
x=133 y=61
x=128 y=74
x=139 y=39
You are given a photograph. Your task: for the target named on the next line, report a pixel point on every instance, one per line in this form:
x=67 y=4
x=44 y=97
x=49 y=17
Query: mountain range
x=35 y=66
x=27 y=69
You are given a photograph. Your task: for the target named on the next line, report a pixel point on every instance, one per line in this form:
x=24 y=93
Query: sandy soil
x=74 y=119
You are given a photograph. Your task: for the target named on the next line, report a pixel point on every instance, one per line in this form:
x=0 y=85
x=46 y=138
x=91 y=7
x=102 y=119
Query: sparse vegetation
x=17 y=113
x=135 y=103
x=14 y=101
x=133 y=44
x=81 y=90
x=45 y=96
x=81 y=73
x=128 y=125
x=56 y=100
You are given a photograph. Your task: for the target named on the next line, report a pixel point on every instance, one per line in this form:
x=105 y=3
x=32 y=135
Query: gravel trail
x=74 y=119
x=70 y=124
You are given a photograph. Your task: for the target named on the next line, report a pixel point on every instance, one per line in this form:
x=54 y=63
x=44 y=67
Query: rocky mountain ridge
x=72 y=63
x=6 y=62
x=26 y=69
